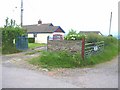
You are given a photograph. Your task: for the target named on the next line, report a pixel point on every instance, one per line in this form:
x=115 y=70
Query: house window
x=35 y=35
x=57 y=37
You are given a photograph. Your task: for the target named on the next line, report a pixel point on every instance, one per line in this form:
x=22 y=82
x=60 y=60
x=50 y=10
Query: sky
x=79 y=15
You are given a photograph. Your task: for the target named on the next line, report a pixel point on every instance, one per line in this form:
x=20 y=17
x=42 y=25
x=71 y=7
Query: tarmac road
x=23 y=78
x=17 y=74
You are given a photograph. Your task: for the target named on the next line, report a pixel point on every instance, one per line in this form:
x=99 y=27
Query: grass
x=108 y=54
x=11 y=50
x=63 y=59
x=60 y=59
x=34 y=45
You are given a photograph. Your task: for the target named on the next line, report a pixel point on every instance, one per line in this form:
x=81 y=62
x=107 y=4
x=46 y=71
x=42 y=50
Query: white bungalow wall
x=30 y=35
x=42 y=37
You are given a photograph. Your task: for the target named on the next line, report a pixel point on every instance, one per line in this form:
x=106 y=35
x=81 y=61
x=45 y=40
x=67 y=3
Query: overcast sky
x=80 y=15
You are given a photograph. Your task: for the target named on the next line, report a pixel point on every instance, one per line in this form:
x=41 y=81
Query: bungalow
x=40 y=32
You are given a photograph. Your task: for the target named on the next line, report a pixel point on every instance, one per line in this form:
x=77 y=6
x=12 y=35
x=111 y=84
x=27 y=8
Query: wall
x=42 y=37
x=72 y=46
x=30 y=35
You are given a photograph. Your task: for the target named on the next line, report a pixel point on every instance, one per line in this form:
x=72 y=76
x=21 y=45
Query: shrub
x=72 y=35
x=110 y=40
x=9 y=33
x=92 y=37
x=31 y=40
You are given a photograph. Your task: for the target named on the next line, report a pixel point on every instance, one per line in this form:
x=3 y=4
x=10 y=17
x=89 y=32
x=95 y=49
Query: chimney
x=39 y=22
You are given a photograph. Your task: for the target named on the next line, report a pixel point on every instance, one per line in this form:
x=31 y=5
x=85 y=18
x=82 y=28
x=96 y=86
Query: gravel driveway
x=103 y=75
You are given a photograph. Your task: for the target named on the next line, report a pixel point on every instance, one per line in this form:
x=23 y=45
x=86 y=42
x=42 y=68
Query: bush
x=72 y=35
x=92 y=37
x=8 y=35
x=31 y=40
x=110 y=40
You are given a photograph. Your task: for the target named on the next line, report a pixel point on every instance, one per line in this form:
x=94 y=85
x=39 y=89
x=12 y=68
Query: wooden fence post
x=83 y=48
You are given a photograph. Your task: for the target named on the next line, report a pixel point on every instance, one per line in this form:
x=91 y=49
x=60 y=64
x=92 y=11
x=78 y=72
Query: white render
x=42 y=37
x=30 y=35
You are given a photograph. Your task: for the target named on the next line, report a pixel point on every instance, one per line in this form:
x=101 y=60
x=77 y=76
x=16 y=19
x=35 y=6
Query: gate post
x=83 y=48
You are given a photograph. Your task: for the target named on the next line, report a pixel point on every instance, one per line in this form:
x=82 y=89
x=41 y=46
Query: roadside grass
x=34 y=45
x=60 y=59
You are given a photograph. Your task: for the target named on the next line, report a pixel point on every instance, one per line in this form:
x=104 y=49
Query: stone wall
x=57 y=45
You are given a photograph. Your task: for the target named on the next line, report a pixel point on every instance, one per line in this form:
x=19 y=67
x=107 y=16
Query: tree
x=9 y=24
x=71 y=32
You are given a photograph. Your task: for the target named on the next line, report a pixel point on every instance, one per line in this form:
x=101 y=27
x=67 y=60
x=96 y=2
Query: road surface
x=17 y=73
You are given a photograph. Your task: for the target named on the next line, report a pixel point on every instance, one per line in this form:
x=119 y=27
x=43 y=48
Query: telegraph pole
x=110 y=23
x=21 y=13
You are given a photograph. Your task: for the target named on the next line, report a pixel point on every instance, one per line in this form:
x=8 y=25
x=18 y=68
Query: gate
x=22 y=43
x=89 y=49
x=93 y=48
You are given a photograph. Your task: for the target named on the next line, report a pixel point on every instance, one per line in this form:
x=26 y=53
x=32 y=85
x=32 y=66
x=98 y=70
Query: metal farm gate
x=22 y=43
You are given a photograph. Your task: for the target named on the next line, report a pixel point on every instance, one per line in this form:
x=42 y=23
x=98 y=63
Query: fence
x=89 y=49
x=22 y=43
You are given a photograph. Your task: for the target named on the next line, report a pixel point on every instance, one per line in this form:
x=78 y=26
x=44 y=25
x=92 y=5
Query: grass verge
x=34 y=45
x=64 y=59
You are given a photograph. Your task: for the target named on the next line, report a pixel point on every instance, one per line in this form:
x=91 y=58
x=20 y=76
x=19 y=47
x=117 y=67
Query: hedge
x=31 y=40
